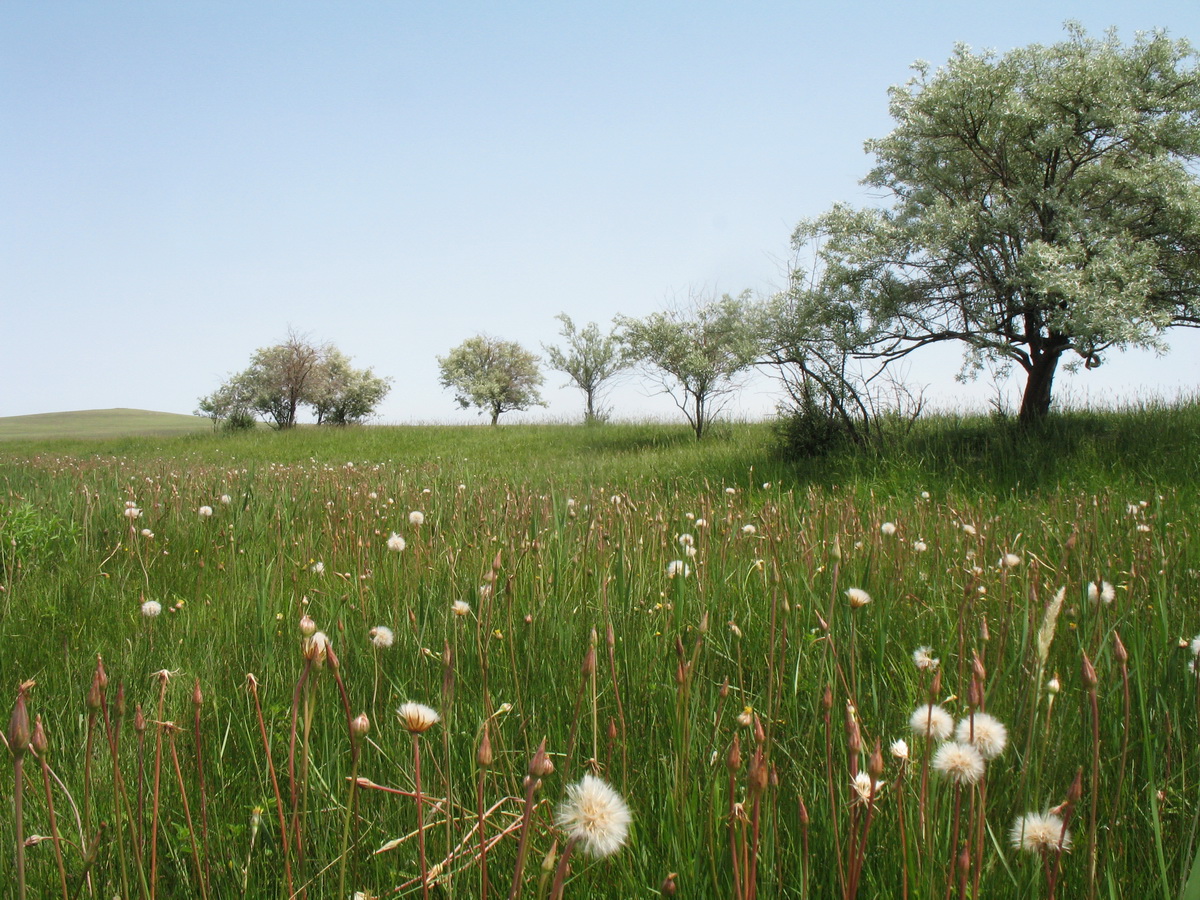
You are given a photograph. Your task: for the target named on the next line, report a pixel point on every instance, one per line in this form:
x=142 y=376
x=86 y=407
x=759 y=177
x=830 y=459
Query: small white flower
x=151 y=608
x=866 y=789
x=857 y=597
x=395 y=543
x=460 y=608
x=417 y=718
x=686 y=540
x=968 y=529
x=702 y=523
x=595 y=816
x=920 y=546
x=899 y=748
x=226 y=499
x=748 y=529
x=730 y=490
x=416 y=517
x=1101 y=592
x=1010 y=561
x=924 y=659
x=924 y=495
x=382 y=637
x=888 y=528
x=204 y=512
x=132 y=512
x=318 y=568
x=677 y=568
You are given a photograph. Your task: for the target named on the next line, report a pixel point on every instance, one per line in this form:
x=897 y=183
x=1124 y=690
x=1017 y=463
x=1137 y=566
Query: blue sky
x=181 y=182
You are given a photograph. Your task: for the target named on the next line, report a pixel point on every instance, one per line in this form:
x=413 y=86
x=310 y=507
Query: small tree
x=494 y=375
x=343 y=395
x=697 y=351
x=283 y=377
x=590 y=359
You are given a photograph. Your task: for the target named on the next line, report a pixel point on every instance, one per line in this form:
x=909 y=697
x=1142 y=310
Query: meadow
x=744 y=647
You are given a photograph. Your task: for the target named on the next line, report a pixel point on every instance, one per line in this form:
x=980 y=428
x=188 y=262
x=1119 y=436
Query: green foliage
x=31 y=537
x=591 y=360
x=493 y=375
x=697 y=351
x=344 y=395
x=1044 y=206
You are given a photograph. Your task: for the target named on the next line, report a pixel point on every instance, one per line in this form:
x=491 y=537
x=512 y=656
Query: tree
x=590 y=359
x=343 y=395
x=284 y=377
x=697 y=351
x=1043 y=206
x=494 y=375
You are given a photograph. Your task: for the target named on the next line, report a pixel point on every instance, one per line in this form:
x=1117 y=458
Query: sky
x=183 y=182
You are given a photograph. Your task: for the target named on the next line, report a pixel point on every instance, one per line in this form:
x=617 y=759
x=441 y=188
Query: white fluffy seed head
x=151 y=609
x=888 y=528
x=416 y=517
x=961 y=763
x=416 y=717
x=1039 y=833
x=395 y=543
x=1101 y=592
x=931 y=721
x=985 y=732
x=595 y=816
x=382 y=637
x=858 y=597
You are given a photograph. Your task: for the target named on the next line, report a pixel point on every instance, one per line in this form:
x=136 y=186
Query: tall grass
x=744 y=709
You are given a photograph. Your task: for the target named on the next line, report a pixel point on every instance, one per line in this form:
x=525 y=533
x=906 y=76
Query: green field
x=644 y=603
x=91 y=424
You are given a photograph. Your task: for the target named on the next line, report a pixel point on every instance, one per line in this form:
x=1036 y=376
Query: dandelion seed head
x=416 y=517
x=318 y=568
x=888 y=528
x=677 y=568
x=985 y=732
x=899 y=748
x=416 y=717
x=961 y=763
x=968 y=529
x=857 y=597
x=924 y=659
x=748 y=528
x=1009 y=561
x=395 y=543
x=1039 y=833
x=460 y=608
x=147 y=533
x=151 y=609
x=1195 y=645
x=225 y=499
x=595 y=816
x=1101 y=592
x=204 y=512
x=686 y=540
x=132 y=512
x=866 y=789
x=382 y=637
x=931 y=721
x=920 y=546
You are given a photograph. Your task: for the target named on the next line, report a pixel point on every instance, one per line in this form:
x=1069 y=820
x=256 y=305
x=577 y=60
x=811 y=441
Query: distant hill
x=98 y=423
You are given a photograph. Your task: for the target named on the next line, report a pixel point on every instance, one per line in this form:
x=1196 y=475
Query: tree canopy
x=697 y=351
x=285 y=377
x=590 y=358
x=493 y=375
x=1044 y=205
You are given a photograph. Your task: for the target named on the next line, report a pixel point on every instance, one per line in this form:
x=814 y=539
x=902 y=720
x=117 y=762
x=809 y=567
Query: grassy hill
x=98 y=423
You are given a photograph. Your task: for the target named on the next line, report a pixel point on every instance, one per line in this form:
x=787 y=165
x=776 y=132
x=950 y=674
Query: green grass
x=570 y=529
x=92 y=424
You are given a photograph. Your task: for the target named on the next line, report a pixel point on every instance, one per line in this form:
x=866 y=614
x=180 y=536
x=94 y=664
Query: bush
x=810 y=429
x=30 y=537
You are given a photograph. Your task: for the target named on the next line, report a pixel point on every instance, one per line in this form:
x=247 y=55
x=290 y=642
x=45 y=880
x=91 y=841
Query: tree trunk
x=496 y=414
x=1035 y=402
x=699 y=421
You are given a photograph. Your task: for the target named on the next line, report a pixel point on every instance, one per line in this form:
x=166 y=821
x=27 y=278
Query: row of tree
x=1038 y=207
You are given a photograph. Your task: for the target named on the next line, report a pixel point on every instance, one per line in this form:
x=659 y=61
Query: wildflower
x=961 y=763
x=924 y=659
x=686 y=540
x=924 y=495
x=318 y=568
x=147 y=533
x=416 y=517
x=1009 y=561
x=226 y=499
x=204 y=512
x=888 y=528
x=920 y=546
x=151 y=608
x=730 y=490
x=1143 y=527
x=866 y=788
x=1101 y=592
x=307 y=625
x=968 y=529
x=460 y=608
x=678 y=568
x=857 y=597
x=899 y=749
x=746 y=717
x=1053 y=686
x=748 y=529
x=395 y=543
x=595 y=815
x=382 y=637
x=702 y=523
x=931 y=721
x=1040 y=833
x=132 y=512
x=416 y=717
x=985 y=732
x=1196 y=645
x=316 y=648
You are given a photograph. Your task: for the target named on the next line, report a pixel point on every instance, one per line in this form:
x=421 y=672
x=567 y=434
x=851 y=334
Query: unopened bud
x=936 y=687
x=760 y=734
x=610 y=636
x=540 y=766
x=757 y=776
x=803 y=812
x=550 y=858
x=101 y=676
x=1076 y=790
x=307 y=625
x=668 y=888
x=724 y=691
x=703 y=629
x=974 y=694
x=18 y=726
x=733 y=760
x=977 y=668
x=139 y=720
x=120 y=704
x=1089 y=673
x=197 y=695
x=612 y=728
x=93 y=699
x=835 y=552
x=1119 y=650
x=360 y=725
x=589 y=661
x=483 y=756
x=984 y=634
x=875 y=763
x=827 y=699
x=39 y=742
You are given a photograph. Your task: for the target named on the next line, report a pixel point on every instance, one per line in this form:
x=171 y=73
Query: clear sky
x=182 y=181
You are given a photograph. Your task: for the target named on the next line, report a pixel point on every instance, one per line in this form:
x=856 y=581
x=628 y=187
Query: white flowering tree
x=590 y=358
x=1044 y=206
x=493 y=375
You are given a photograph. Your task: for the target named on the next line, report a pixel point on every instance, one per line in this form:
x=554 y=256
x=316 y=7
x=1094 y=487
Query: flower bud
x=120 y=704
x=540 y=766
x=483 y=756
x=360 y=725
x=589 y=661
x=1089 y=673
x=18 y=726
x=1119 y=650
x=139 y=720
x=197 y=696
x=39 y=742
x=668 y=888
x=733 y=761
x=307 y=625
x=875 y=763
x=758 y=775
